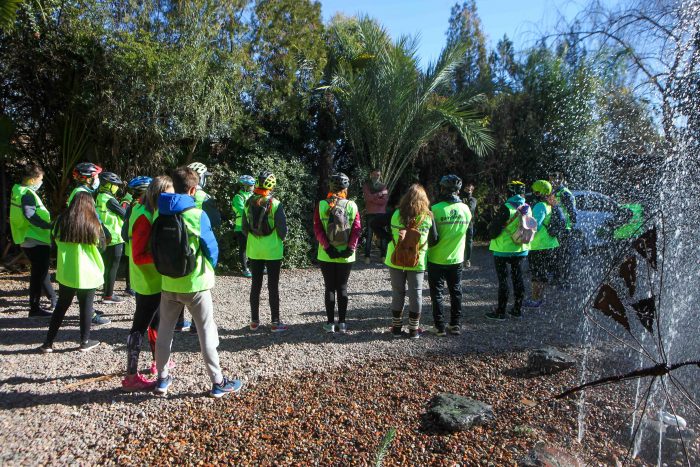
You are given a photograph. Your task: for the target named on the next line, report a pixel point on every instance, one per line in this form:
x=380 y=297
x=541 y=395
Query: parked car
x=598 y=217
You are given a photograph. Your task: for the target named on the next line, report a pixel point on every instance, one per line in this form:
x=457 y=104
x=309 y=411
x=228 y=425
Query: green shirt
x=452 y=221
x=21 y=228
x=144 y=278
x=324 y=210
x=424 y=228
x=269 y=247
x=543 y=240
x=112 y=222
x=238 y=205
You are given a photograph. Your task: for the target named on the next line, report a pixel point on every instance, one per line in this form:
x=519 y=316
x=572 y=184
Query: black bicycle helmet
x=338 y=182
x=110 y=177
x=451 y=183
x=516 y=187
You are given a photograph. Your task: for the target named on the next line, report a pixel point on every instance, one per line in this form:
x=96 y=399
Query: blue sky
x=522 y=20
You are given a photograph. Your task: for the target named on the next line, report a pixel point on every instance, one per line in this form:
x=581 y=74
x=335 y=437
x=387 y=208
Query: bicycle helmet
x=266 y=180
x=338 y=182
x=247 y=180
x=542 y=187
x=451 y=183
x=139 y=183
x=85 y=171
x=200 y=168
x=516 y=187
x=110 y=177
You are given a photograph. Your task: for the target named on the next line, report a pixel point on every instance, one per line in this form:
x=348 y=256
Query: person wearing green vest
x=86 y=175
x=147 y=282
x=337 y=228
x=542 y=254
x=201 y=198
x=112 y=217
x=192 y=290
x=471 y=203
x=567 y=202
x=246 y=184
x=633 y=227
x=135 y=190
x=79 y=267
x=265 y=225
x=30 y=223
x=508 y=253
x=413 y=215
x=452 y=219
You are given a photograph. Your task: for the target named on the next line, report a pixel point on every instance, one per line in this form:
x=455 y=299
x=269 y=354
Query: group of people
x=164 y=228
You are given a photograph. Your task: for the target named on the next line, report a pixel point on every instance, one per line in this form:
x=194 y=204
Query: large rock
x=543 y=455
x=549 y=360
x=451 y=412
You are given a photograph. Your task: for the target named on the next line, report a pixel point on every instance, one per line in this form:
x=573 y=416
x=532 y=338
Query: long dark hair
x=80 y=224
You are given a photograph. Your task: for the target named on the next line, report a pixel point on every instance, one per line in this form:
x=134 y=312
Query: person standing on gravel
x=246 y=184
x=112 y=216
x=30 y=223
x=452 y=218
x=376 y=197
x=471 y=203
x=190 y=286
x=337 y=228
x=79 y=267
x=567 y=202
x=410 y=231
x=265 y=225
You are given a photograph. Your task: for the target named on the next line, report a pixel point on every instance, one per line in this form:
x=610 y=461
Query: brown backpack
x=407 y=250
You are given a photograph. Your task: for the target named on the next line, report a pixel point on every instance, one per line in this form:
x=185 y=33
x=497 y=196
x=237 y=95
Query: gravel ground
x=53 y=410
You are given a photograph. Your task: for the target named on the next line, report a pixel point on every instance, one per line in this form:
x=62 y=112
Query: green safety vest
x=79 y=265
x=200 y=196
x=633 y=227
x=112 y=222
x=452 y=221
x=542 y=240
x=238 y=205
x=21 y=228
x=202 y=277
x=504 y=243
x=77 y=190
x=563 y=208
x=144 y=278
x=423 y=228
x=324 y=210
x=269 y=247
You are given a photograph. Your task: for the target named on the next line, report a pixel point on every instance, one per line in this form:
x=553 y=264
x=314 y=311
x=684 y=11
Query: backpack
x=172 y=255
x=557 y=223
x=407 y=251
x=527 y=226
x=338 y=229
x=259 y=222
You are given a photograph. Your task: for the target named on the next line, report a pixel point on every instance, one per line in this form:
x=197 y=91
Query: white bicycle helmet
x=201 y=170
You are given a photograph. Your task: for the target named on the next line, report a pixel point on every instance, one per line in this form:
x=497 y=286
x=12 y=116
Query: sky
x=522 y=20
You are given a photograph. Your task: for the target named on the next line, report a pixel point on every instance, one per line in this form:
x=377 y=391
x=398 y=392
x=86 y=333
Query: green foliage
x=384 y=447
x=8 y=12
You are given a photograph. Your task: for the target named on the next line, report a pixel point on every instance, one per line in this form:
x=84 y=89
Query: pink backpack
x=527 y=226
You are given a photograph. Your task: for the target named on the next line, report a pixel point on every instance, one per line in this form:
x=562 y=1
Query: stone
x=453 y=413
x=543 y=455
x=549 y=360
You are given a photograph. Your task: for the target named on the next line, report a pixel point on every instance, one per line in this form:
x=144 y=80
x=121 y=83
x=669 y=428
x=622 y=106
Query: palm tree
x=390 y=108
x=8 y=12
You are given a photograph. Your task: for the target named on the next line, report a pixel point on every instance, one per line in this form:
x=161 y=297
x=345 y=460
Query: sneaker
x=154 y=367
x=46 y=348
x=39 y=313
x=397 y=332
x=97 y=319
x=163 y=384
x=112 y=299
x=227 y=386
x=535 y=304
x=367 y=260
x=437 y=331
x=515 y=314
x=496 y=316
x=137 y=382
x=455 y=330
x=88 y=345
x=342 y=328
x=182 y=326
x=130 y=292
x=414 y=333
x=247 y=274
x=99 y=312
x=254 y=325
x=329 y=327
x=193 y=329
x=279 y=327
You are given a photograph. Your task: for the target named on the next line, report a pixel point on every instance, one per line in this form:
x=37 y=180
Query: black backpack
x=172 y=255
x=259 y=222
x=557 y=223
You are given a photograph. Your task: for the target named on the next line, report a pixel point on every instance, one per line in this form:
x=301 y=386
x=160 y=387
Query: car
x=598 y=219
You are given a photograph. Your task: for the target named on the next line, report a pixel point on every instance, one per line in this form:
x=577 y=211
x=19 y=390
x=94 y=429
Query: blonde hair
x=413 y=204
x=159 y=185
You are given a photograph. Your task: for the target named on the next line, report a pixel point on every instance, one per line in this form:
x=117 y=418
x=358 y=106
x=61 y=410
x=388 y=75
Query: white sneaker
x=342 y=328
x=329 y=328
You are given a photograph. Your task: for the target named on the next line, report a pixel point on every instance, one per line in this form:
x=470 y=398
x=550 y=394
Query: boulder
x=451 y=412
x=543 y=455
x=549 y=360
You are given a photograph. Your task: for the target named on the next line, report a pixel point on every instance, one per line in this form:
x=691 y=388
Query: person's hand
x=332 y=252
x=346 y=253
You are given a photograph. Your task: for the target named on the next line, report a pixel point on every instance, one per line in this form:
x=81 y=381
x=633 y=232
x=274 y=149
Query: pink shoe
x=154 y=369
x=137 y=382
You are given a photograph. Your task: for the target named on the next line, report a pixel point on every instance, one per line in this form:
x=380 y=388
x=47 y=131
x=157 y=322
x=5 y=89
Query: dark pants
x=563 y=259
x=112 y=256
x=541 y=263
x=368 y=243
x=438 y=274
x=65 y=298
x=516 y=273
x=469 y=244
x=39 y=280
x=146 y=316
x=242 y=257
x=335 y=280
x=257 y=268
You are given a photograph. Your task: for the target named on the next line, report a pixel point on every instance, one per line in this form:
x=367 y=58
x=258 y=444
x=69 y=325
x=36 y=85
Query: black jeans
x=242 y=257
x=368 y=243
x=257 y=266
x=438 y=274
x=65 y=298
x=335 y=279
x=112 y=256
x=146 y=316
x=470 y=243
x=563 y=260
x=516 y=272
x=39 y=280
x=541 y=263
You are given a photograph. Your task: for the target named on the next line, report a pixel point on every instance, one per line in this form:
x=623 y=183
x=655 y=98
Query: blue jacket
x=174 y=203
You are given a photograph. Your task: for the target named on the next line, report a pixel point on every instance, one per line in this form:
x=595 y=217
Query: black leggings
x=112 y=255
x=335 y=279
x=39 y=280
x=146 y=316
x=257 y=266
x=65 y=298
x=242 y=256
x=516 y=273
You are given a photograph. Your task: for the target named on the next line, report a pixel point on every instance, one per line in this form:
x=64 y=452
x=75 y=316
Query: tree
x=465 y=30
